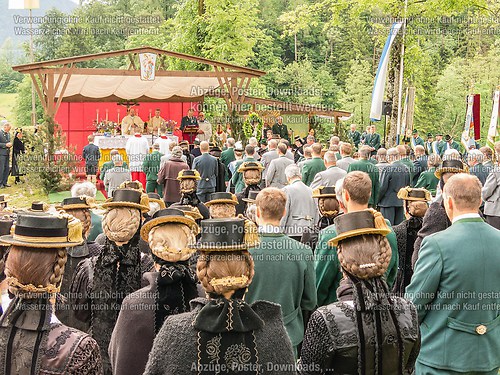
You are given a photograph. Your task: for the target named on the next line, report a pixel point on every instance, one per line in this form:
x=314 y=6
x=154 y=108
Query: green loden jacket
x=311 y=168
x=372 y=170
x=237 y=179
x=456 y=290
x=151 y=165
x=226 y=157
x=328 y=272
x=428 y=180
x=284 y=274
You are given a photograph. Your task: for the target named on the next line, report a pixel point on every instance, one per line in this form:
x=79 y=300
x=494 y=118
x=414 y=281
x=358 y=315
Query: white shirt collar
x=466 y=216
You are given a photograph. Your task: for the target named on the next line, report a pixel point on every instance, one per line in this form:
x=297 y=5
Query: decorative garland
x=248 y=126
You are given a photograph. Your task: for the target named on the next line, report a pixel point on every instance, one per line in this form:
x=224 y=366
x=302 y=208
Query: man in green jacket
x=237 y=179
x=404 y=154
x=314 y=165
x=227 y=156
x=109 y=164
x=284 y=268
x=455 y=288
x=151 y=166
x=364 y=165
x=353 y=196
x=428 y=179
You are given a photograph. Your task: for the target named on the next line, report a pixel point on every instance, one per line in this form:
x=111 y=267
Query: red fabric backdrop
x=76 y=118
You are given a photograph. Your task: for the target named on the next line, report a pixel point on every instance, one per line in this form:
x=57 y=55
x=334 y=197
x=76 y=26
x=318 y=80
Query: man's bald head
x=462 y=194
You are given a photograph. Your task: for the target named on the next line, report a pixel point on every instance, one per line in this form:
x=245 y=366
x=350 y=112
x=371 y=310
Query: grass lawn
x=7 y=103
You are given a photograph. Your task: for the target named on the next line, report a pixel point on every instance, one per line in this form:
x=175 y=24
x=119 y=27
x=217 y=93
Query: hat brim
x=193 y=215
x=109 y=205
x=210 y=248
x=221 y=201
x=146 y=228
x=189 y=178
x=10 y=240
x=248 y=200
x=439 y=172
x=357 y=232
x=324 y=196
x=78 y=206
x=243 y=169
x=159 y=201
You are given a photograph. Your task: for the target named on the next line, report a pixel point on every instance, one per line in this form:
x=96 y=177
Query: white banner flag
x=381 y=77
x=24 y=4
x=148 y=64
x=493 y=129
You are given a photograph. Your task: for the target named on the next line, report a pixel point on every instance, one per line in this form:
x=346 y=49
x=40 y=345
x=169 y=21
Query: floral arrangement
x=252 y=127
x=106 y=127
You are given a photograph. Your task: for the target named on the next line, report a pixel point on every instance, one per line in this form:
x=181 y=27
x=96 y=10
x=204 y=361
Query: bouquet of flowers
x=106 y=127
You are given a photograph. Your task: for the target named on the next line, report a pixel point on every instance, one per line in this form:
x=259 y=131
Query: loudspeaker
x=386 y=108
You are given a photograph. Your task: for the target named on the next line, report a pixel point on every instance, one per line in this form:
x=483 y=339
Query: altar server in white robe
x=137 y=148
x=205 y=131
x=164 y=142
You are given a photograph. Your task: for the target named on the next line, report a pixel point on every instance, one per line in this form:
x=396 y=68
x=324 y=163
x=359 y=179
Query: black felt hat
x=414 y=194
x=189 y=174
x=43 y=230
x=252 y=196
x=250 y=165
x=222 y=197
x=356 y=224
x=168 y=215
x=324 y=192
x=75 y=203
x=451 y=166
x=155 y=197
x=228 y=234
x=128 y=198
x=5 y=227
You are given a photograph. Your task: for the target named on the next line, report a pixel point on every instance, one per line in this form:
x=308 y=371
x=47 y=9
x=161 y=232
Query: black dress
x=406 y=234
x=17 y=149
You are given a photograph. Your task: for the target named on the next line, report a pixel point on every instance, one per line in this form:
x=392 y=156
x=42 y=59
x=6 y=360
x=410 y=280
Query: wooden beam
x=63 y=90
x=103 y=55
x=136 y=73
x=145 y=99
x=39 y=92
x=132 y=62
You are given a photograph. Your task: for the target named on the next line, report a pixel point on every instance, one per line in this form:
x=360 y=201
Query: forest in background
x=315 y=52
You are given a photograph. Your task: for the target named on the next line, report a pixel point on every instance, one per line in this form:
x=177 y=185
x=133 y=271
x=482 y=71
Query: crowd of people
x=268 y=257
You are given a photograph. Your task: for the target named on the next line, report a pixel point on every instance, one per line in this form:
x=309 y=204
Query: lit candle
x=150 y=115
x=106 y=115
x=118 y=121
x=97 y=115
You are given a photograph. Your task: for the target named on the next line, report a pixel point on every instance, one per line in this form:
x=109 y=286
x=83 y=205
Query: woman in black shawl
x=222 y=333
x=102 y=282
x=415 y=203
x=172 y=285
x=32 y=340
x=367 y=331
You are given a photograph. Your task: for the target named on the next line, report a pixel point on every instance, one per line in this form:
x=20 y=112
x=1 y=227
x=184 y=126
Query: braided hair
x=38 y=267
x=82 y=214
x=120 y=224
x=224 y=264
x=365 y=259
x=328 y=207
x=222 y=210
x=252 y=177
x=365 y=256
